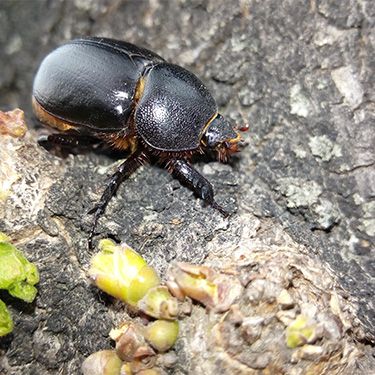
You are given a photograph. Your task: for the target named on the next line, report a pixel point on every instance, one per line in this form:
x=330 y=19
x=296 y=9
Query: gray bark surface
x=300 y=73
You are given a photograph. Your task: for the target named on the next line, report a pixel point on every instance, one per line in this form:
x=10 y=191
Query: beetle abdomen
x=174 y=109
x=91 y=82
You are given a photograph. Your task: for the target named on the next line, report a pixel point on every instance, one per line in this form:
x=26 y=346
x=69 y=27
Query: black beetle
x=103 y=90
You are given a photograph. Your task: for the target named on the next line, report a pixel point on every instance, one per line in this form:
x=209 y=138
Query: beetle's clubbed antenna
x=129 y=166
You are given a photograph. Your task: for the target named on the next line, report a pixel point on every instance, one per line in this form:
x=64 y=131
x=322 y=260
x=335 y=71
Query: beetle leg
x=66 y=140
x=125 y=169
x=190 y=177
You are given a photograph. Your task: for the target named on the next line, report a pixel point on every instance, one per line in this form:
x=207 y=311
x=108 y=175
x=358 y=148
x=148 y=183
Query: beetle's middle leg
x=190 y=177
x=130 y=165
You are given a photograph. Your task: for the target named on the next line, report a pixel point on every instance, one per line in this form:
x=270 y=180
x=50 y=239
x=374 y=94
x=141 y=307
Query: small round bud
x=162 y=334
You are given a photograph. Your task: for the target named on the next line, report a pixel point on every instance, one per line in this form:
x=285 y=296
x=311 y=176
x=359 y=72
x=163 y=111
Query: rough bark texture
x=300 y=73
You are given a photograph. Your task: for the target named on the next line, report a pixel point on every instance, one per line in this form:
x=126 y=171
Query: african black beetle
x=104 y=90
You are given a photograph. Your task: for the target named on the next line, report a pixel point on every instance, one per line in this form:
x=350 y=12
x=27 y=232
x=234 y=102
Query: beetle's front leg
x=125 y=169
x=190 y=177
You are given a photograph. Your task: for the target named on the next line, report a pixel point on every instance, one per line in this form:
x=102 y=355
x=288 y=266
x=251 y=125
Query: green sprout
x=6 y=323
x=300 y=332
x=18 y=276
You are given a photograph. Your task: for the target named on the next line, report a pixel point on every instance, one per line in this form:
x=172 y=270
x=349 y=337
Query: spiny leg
x=69 y=140
x=190 y=177
x=125 y=169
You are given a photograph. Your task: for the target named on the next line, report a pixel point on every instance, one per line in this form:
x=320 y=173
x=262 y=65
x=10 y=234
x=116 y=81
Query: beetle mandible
x=103 y=90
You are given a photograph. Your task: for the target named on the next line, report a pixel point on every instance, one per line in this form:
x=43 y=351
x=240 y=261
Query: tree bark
x=300 y=73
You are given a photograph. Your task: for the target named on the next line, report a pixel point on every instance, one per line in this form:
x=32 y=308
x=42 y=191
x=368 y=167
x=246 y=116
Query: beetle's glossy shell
x=91 y=82
x=97 y=83
x=174 y=109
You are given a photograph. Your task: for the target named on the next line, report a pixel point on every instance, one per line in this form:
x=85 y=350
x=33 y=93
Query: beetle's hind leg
x=190 y=177
x=130 y=165
x=67 y=140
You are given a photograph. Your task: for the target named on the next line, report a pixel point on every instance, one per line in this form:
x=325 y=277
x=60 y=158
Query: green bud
x=126 y=369
x=150 y=371
x=4 y=237
x=17 y=274
x=121 y=272
x=159 y=303
x=162 y=334
x=6 y=323
x=300 y=332
x=104 y=362
x=23 y=290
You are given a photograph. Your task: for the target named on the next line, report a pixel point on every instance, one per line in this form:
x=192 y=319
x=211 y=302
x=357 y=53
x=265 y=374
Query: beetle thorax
x=173 y=109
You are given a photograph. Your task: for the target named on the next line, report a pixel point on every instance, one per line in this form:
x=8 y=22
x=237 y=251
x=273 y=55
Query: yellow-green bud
x=6 y=322
x=4 y=237
x=17 y=274
x=150 y=371
x=126 y=369
x=104 y=362
x=159 y=303
x=121 y=272
x=162 y=334
x=300 y=332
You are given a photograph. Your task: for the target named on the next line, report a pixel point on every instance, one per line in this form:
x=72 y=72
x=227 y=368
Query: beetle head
x=221 y=137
